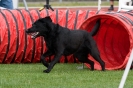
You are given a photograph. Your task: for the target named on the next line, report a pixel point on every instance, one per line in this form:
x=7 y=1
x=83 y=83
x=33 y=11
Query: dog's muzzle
x=33 y=35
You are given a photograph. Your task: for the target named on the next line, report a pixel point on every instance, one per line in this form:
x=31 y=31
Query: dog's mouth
x=33 y=35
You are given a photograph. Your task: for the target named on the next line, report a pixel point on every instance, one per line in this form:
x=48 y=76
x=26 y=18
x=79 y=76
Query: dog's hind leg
x=83 y=57
x=95 y=54
x=90 y=62
x=97 y=58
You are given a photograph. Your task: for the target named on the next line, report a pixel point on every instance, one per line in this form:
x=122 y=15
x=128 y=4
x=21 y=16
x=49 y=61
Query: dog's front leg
x=51 y=65
x=42 y=58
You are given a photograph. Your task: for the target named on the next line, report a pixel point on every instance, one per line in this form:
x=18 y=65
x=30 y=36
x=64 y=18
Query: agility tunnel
x=114 y=39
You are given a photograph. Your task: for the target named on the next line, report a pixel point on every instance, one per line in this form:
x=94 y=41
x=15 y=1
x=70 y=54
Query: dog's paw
x=46 y=71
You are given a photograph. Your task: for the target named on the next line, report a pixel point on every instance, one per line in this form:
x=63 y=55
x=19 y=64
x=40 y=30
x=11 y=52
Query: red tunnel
x=114 y=39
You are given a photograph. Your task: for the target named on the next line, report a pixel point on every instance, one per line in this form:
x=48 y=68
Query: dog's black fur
x=63 y=41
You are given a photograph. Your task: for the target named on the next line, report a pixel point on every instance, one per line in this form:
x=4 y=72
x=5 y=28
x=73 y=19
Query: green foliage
x=62 y=76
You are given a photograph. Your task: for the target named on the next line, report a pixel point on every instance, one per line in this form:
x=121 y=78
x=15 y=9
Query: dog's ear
x=46 y=19
x=47 y=22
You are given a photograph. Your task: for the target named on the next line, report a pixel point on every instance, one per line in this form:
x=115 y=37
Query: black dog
x=62 y=41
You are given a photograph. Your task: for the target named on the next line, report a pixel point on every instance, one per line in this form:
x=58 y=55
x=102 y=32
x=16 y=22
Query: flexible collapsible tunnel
x=15 y=46
x=114 y=39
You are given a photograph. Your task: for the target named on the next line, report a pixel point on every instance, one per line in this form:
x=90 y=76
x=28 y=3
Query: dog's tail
x=95 y=28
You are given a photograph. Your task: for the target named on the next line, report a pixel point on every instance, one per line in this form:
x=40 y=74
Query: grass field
x=62 y=76
x=74 y=3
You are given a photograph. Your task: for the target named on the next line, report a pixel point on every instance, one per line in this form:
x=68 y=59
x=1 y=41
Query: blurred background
x=39 y=3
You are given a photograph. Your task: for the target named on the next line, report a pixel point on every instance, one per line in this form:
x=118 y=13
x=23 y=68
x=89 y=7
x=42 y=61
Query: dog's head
x=41 y=27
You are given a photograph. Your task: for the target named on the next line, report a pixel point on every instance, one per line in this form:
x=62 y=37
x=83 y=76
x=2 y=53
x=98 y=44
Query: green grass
x=62 y=76
x=74 y=3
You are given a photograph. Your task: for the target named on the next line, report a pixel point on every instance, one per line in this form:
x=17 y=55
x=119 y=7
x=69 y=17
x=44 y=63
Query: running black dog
x=62 y=41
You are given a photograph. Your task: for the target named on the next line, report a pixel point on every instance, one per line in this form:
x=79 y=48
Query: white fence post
x=15 y=4
x=99 y=4
x=126 y=70
x=25 y=4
